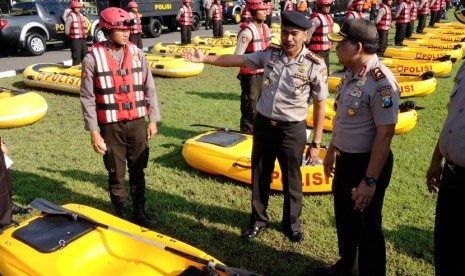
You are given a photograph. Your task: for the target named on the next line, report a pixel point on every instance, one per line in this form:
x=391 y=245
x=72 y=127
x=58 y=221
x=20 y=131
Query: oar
x=223 y=129
x=48 y=207
x=3 y=89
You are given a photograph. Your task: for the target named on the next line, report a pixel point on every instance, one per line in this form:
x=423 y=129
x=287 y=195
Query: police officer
x=136 y=29
x=76 y=31
x=402 y=20
x=117 y=93
x=5 y=190
x=423 y=12
x=359 y=154
x=216 y=18
x=383 y=24
x=449 y=181
x=184 y=19
x=207 y=4
x=293 y=77
x=253 y=36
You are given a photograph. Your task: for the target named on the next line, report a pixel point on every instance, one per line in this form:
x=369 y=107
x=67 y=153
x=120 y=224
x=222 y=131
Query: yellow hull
x=433 y=44
x=418 y=66
x=422 y=53
x=172 y=66
x=94 y=251
x=234 y=161
x=444 y=31
x=439 y=36
x=450 y=25
x=53 y=76
x=212 y=41
x=177 y=49
x=20 y=110
x=406 y=120
x=410 y=86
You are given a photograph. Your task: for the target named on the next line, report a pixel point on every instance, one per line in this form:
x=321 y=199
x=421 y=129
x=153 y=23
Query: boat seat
x=52 y=232
x=222 y=138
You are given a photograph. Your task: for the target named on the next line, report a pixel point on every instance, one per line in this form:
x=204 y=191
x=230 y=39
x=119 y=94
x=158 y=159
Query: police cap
x=357 y=30
x=294 y=19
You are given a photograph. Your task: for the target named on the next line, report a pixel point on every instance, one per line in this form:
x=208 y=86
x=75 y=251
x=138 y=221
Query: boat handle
x=237 y=164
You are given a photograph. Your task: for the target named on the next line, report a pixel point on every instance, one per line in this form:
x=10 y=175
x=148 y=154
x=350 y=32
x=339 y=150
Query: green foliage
x=54 y=160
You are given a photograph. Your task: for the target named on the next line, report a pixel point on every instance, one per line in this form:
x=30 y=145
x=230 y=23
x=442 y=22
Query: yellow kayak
x=94 y=243
x=20 y=108
x=228 y=153
x=53 y=76
x=410 y=86
x=172 y=66
x=433 y=44
x=406 y=120
x=444 y=31
x=439 y=36
x=177 y=49
x=417 y=67
x=450 y=25
x=422 y=53
x=214 y=41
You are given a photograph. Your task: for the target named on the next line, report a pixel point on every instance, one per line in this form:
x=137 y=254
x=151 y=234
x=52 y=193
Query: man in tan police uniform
x=367 y=101
x=293 y=78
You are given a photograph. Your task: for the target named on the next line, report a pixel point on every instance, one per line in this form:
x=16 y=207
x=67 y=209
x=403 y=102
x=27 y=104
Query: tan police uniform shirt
x=364 y=99
x=87 y=95
x=452 y=139
x=288 y=86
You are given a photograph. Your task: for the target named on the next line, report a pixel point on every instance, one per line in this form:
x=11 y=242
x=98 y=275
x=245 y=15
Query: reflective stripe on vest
x=258 y=43
x=404 y=15
x=136 y=28
x=413 y=10
x=186 y=16
x=319 y=41
x=355 y=14
x=119 y=90
x=386 y=21
x=217 y=13
x=425 y=9
x=77 y=28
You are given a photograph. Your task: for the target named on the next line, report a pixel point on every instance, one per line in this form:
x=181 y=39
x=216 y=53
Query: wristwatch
x=315 y=145
x=370 y=181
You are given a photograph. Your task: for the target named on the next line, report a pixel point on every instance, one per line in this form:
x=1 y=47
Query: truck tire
x=99 y=36
x=155 y=28
x=35 y=44
x=195 y=22
x=237 y=16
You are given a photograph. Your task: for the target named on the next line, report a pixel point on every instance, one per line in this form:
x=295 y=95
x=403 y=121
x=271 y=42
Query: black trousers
x=421 y=23
x=400 y=33
x=355 y=229
x=448 y=231
x=126 y=142
x=207 y=21
x=136 y=39
x=6 y=188
x=409 y=29
x=186 y=34
x=217 y=28
x=433 y=17
x=78 y=50
x=285 y=142
x=251 y=88
x=383 y=41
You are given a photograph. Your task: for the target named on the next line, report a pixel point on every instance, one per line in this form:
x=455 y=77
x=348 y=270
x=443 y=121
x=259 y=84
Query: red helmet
x=186 y=1
x=253 y=5
x=115 y=18
x=74 y=4
x=132 y=4
x=324 y=2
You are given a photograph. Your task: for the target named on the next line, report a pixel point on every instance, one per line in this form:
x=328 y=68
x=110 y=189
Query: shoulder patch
x=314 y=57
x=275 y=46
x=377 y=74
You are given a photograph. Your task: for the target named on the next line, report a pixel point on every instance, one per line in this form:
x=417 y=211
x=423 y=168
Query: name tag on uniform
x=355 y=92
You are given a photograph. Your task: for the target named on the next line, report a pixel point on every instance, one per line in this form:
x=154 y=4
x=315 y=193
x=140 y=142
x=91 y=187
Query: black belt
x=454 y=168
x=275 y=122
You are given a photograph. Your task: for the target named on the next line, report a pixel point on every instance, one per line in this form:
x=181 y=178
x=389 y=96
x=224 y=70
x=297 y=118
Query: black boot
x=141 y=218
x=120 y=210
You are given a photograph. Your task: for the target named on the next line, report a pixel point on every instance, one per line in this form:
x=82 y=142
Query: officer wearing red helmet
x=117 y=94
x=136 y=29
x=402 y=17
x=355 y=9
x=184 y=19
x=253 y=36
x=321 y=26
x=383 y=24
x=76 y=31
x=216 y=17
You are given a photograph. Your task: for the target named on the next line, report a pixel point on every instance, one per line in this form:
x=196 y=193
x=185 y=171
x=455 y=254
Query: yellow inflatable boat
x=53 y=76
x=76 y=239
x=439 y=36
x=20 y=108
x=172 y=66
x=422 y=53
x=410 y=86
x=214 y=41
x=433 y=44
x=406 y=121
x=449 y=25
x=228 y=153
x=415 y=67
x=177 y=49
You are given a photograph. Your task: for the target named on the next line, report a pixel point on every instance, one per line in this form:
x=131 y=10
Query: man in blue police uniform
x=293 y=78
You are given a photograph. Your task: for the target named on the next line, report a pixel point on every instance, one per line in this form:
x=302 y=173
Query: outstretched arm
x=221 y=60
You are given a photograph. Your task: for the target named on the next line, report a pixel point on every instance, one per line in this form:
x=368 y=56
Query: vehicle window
x=53 y=8
x=23 y=8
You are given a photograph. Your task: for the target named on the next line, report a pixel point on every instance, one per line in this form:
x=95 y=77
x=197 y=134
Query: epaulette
x=377 y=74
x=314 y=57
x=275 y=46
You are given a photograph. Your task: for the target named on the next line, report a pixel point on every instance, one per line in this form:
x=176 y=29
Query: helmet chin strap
x=116 y=45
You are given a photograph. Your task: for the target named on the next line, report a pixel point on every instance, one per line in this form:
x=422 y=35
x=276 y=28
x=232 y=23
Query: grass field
x=54 y=160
